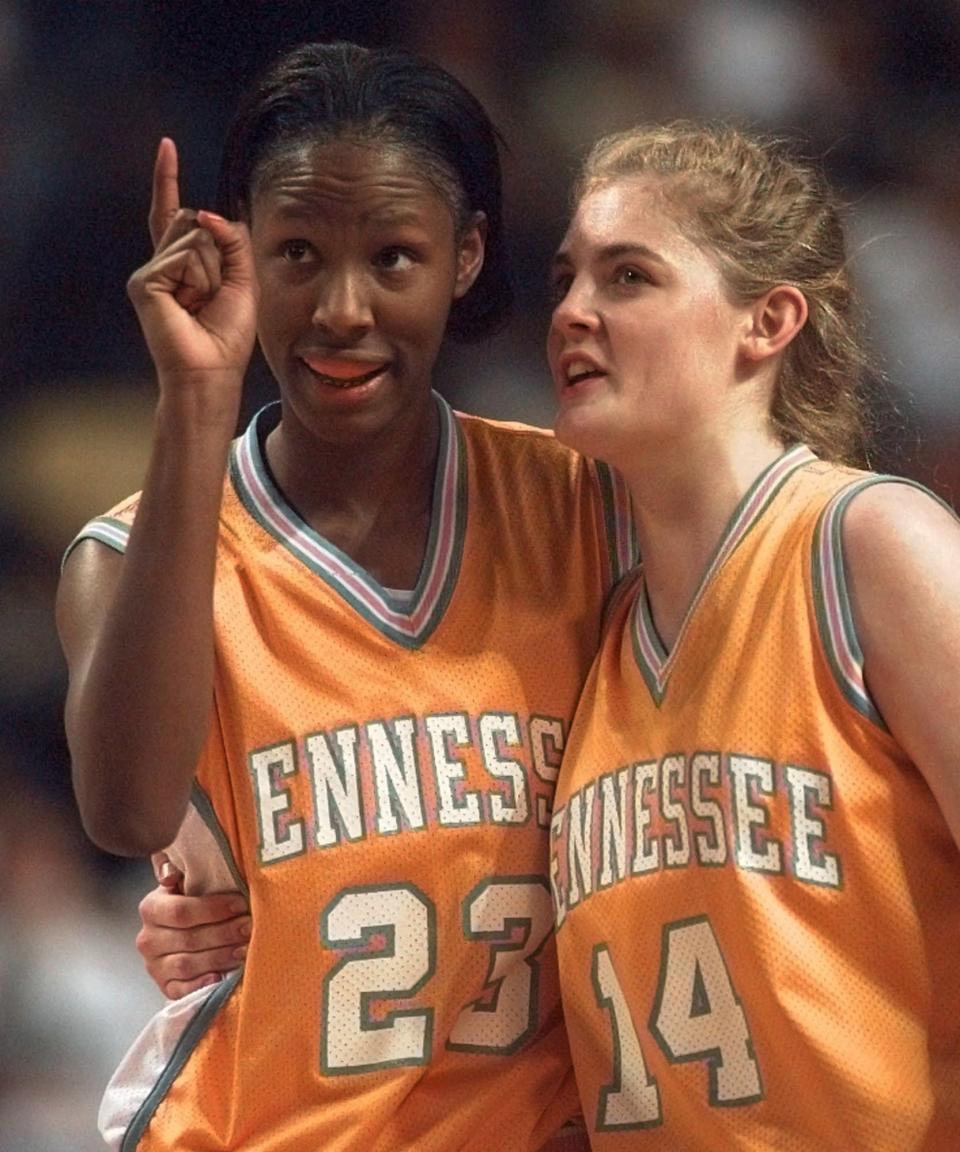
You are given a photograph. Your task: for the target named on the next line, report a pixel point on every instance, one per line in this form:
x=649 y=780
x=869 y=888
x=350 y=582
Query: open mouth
x=578 y=369
x=579 y=377
x=344 y=373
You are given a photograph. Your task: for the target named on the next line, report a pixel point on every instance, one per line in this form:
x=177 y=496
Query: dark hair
x=320 y=92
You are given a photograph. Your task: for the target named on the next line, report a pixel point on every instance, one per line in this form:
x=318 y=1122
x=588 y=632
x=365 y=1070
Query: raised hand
x=138 y=631
x=196 y=297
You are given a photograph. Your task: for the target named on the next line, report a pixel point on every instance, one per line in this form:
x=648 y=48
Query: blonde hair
x=769 y=218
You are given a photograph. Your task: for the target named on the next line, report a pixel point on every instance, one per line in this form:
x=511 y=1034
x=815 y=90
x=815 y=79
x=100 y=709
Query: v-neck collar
x=408 y=623
x=650 y=654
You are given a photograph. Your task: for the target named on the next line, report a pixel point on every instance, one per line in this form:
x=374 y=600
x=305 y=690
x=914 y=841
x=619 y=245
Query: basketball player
x=754 y=848
x=334 y=660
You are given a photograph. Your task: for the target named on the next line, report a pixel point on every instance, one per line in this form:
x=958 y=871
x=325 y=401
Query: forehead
x=345 y=178
x=630 y=210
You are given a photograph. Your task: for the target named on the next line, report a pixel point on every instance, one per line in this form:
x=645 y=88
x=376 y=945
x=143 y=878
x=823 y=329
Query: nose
x=574 y=313
x=343 y=308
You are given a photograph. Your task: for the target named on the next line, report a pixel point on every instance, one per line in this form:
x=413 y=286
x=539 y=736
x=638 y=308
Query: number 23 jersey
x=379 y=779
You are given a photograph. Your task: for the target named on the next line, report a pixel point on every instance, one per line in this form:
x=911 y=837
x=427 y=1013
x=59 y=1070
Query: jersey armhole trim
x=834 y=612
x=108 y=530
x=204 y=806
x=191 y=1036
x=617 y=515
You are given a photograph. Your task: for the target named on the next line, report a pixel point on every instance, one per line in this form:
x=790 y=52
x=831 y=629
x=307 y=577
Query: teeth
x=578 y=368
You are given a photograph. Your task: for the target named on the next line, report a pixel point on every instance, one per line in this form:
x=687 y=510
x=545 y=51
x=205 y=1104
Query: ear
x=470 y=252
x=775 y=319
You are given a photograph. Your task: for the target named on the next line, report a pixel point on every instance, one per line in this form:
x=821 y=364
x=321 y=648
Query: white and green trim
x=831 y=601
x=194 y=1028
x=621 y=536
x=204 y=807
x=108 y=530
x=653 y=661
x=408 y=623
x=834 y=613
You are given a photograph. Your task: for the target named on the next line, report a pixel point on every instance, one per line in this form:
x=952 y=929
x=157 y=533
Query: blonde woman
x=754 y=850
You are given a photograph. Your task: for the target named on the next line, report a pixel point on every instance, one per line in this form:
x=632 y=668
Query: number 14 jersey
x=758 y=921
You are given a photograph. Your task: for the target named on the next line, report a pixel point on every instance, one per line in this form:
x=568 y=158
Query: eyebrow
x=614 y=252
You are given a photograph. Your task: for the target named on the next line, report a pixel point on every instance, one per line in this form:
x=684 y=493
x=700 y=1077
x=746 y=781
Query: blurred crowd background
x=86 y=90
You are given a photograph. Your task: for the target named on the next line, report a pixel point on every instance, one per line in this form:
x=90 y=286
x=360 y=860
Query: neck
x=371 y=497
x=683 y=498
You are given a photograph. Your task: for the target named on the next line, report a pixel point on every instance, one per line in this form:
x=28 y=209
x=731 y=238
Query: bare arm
x=137 y=630
x=902 y=554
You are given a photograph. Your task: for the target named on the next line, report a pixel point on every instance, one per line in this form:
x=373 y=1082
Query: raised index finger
x=165 y=202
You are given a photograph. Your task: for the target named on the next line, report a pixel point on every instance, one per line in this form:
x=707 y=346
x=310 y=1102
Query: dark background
x=87 y=89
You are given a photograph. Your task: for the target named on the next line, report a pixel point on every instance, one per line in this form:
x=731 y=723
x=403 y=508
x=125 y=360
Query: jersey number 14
x=696 y=1016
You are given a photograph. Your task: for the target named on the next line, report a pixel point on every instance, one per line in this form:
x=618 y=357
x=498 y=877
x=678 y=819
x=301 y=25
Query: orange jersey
x=380 y=777
x=758 y=899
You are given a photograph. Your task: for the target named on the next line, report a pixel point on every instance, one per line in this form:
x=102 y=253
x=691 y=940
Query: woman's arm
x=902 y=559
x=137 y=630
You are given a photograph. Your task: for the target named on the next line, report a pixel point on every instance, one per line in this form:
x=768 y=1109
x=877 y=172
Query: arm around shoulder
x=902 y=561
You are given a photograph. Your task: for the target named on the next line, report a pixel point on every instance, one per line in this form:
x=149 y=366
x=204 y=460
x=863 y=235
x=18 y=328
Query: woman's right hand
x=196 y=298
x=189 y=942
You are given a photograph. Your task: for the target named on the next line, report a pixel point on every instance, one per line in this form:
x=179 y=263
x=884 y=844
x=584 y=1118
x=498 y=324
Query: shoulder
x=525 y=443
x=504 y=431
x=894 y=529
x=88 y=578
x=902 y=554
x=525 y=464
x=901 y=558
x=112 y=528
